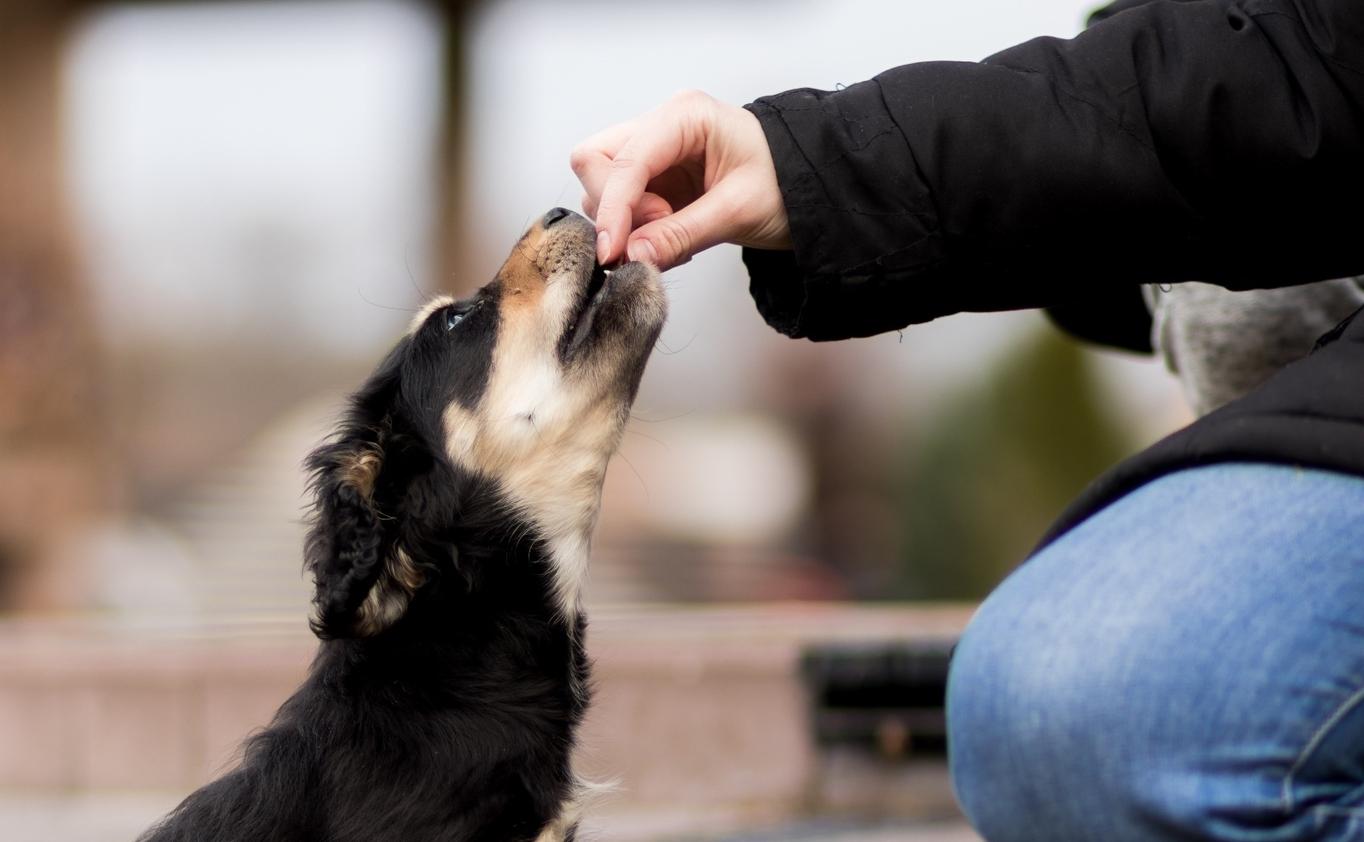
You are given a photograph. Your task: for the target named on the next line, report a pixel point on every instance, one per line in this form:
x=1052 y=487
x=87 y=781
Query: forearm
x=1175 y=141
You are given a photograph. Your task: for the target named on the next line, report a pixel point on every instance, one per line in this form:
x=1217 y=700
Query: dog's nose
x=556 y=215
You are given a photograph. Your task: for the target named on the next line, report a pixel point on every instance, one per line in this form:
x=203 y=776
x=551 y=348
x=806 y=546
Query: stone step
x=99 y=817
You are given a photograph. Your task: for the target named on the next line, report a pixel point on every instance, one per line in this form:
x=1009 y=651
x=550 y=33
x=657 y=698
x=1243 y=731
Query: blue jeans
x=1186 y=664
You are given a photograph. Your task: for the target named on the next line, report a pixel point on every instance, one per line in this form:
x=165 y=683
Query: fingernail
x=643 y=250
x=603 y=246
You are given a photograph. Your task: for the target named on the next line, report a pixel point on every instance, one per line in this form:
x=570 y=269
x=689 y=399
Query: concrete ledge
x=698 y=710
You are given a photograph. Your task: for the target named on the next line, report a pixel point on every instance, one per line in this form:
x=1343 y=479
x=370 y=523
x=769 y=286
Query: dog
x=454 y=509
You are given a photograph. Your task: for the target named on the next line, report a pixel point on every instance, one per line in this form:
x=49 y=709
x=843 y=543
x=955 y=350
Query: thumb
x=673 y=239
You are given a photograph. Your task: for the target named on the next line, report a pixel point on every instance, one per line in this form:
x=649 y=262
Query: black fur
x=457 y=721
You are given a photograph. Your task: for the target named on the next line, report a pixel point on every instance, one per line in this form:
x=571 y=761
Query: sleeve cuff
x=862 y=225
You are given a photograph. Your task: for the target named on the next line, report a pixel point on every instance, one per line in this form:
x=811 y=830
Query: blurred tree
x=997 y=467
x=52 y=471
x=57 y=468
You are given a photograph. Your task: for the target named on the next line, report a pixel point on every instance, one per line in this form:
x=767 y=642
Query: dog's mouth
x=599 y=287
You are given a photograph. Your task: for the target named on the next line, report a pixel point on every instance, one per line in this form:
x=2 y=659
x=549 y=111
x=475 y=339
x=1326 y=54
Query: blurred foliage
x=997 y=467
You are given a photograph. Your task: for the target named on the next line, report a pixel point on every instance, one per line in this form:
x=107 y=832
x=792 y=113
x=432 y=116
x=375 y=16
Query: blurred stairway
x=241 y=530
x=244 y=524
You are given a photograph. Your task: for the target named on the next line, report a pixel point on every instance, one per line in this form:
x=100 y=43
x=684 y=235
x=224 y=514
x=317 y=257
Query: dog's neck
x=558 y=498
x=500 y=596
x=548 y=458
x=529 y=550
x=564 y=520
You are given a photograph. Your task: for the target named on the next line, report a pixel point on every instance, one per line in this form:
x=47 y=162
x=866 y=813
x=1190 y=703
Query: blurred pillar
x=51 y=474
x=453 y=251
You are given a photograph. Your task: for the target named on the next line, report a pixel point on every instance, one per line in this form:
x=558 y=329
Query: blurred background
x=215 y=216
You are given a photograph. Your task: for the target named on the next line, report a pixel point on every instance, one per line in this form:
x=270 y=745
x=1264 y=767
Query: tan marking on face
x=542 y=432
x=550 y=468
x=520 y=277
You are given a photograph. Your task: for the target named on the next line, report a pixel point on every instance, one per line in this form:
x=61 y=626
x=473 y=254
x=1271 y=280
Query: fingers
x=651 y=175
x=596 y=162
x=617 y=165
x=642 y=157
x=651 y=206
x=673 y=239
x=591 y=161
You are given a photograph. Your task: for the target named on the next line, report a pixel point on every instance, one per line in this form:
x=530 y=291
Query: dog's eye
x=452 y=318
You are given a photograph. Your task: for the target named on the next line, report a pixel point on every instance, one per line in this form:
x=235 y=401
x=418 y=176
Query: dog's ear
x=363 y=578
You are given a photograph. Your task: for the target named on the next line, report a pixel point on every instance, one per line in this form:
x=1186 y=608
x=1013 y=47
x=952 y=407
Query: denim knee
x=1026 y=723
x=1048 y=729
x=1187 y=665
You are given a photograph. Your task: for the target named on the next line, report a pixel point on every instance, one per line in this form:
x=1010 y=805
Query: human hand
x=690 y=174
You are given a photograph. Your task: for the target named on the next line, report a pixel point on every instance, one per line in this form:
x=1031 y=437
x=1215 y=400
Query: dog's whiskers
x=668 y=352
x=653 y=439
x=371 y=303
x=637 y=417
x=422 y=294
x=526 y=253
x=642 y=484
x=559 y=199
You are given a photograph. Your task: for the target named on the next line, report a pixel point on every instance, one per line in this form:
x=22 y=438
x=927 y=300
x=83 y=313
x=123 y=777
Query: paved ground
x=26 y=817
x=35 y=817
x=954 y=831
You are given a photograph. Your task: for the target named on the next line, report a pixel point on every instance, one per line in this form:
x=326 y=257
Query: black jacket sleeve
x=1216 y=140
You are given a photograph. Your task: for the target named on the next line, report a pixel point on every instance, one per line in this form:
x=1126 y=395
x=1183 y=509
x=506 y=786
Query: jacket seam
x=813 y=172
x=858 y=148
x=1103 y=113
x=840 y=276
x=891 y=129
x=934 y=216
x=865 y=266
x=1067 y=92
x=811 y=175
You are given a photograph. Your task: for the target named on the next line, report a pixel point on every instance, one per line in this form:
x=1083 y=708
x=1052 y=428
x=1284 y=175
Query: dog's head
x=505 y=405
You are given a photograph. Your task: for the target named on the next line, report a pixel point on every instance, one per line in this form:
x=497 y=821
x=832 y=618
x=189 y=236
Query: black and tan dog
x=455 y=506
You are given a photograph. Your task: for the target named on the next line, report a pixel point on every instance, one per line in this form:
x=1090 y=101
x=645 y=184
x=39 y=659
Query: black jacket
x=1217 y=140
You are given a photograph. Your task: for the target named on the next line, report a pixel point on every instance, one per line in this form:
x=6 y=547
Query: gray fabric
x=1222 y=343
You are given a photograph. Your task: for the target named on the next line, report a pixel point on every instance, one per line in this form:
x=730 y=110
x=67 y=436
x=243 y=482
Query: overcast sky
x=547 y=74
x=259 y=170
x=222 y=152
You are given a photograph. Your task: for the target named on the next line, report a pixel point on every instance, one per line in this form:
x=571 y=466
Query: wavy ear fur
x=363 y=578
x=345 y=548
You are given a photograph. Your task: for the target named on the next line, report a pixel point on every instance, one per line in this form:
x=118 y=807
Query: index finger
x=658 y=143
x=591 y=159
x=591 y=163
